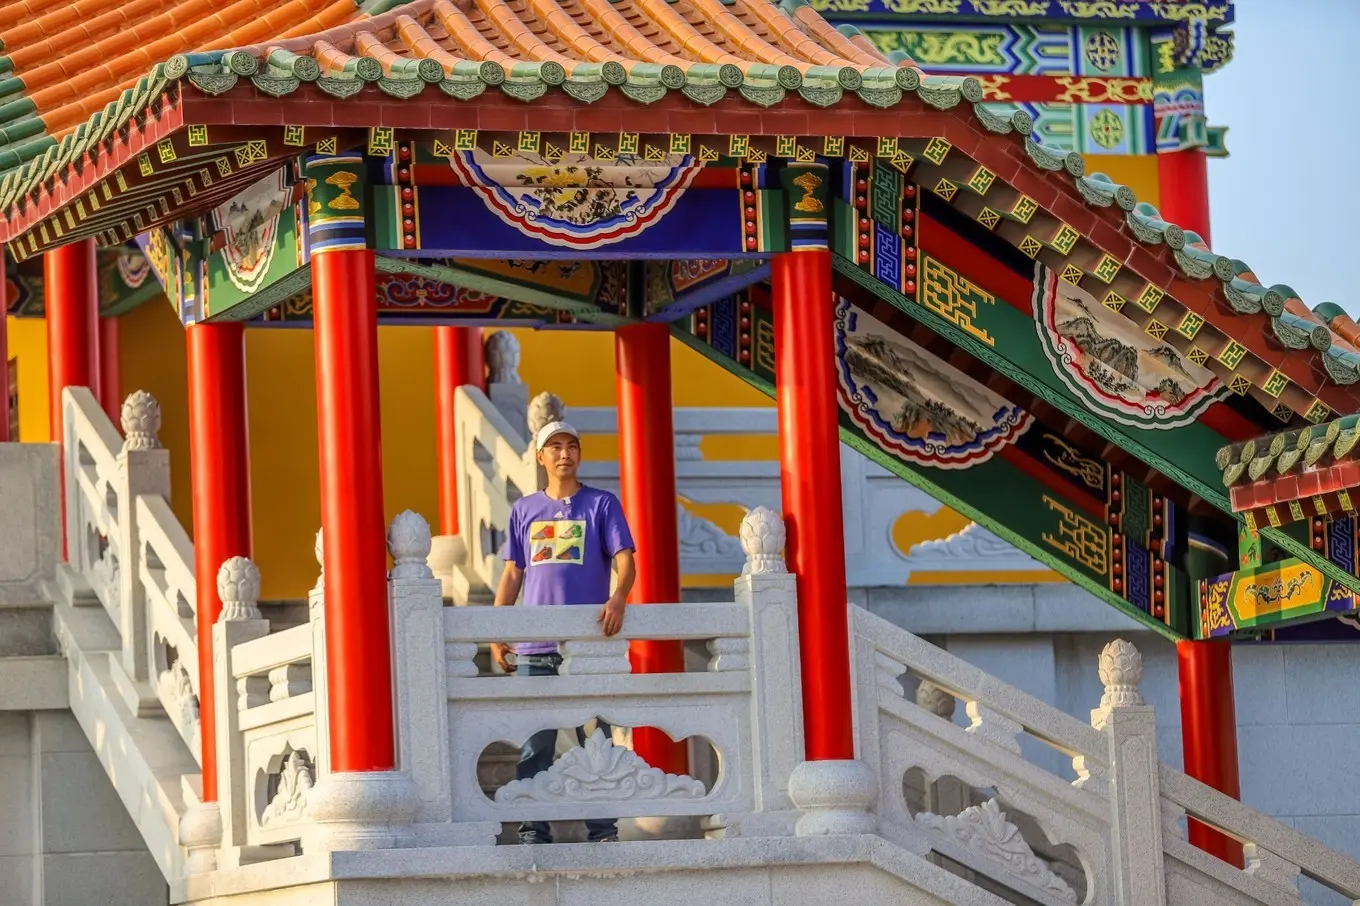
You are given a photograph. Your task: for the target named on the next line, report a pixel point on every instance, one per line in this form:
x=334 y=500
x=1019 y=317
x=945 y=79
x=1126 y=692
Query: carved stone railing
x=744 y=704
x=268 y=741
x=94 y=476
x=497 y=467
x=125 y=542
x=1114 y=834
x=905 y=737
x=965 y=796
x=165 y=572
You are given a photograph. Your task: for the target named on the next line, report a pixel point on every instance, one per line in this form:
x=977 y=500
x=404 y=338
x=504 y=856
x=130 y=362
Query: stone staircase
x=932 y=811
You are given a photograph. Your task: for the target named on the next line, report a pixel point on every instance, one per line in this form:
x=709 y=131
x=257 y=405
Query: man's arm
x=512 y=579
x=611 y=617
x=507 y=592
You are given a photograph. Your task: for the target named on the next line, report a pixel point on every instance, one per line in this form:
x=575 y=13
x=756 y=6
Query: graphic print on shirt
x=562 y=541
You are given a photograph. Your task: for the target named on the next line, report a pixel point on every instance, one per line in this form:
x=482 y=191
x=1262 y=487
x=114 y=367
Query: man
x=562 y=542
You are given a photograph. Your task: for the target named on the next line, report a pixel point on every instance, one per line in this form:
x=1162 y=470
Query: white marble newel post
x=1137 y=874
x=421 y=676
x=766 y=588
x=143 y=468
x=503 y=385
x=238 y=587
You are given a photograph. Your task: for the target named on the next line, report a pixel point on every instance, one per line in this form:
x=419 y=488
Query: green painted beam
x=1116 y=434
x=919 y=479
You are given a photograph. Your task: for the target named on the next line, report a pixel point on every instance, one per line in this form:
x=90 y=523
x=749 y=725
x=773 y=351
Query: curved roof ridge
x=1294 y=324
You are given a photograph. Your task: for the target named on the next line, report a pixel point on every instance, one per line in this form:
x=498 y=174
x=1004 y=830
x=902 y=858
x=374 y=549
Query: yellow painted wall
x=27 y=341
x=1137 y=171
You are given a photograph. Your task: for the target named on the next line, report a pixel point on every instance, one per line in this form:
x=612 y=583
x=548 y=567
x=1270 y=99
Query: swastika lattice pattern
x=1078 y=538
x=955 y=298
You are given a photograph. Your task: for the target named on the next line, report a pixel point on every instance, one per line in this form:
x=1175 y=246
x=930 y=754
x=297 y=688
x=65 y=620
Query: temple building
x=964 y=472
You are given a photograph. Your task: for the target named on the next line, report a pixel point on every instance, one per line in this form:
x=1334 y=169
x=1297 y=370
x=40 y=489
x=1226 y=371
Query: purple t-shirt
x=566 y=548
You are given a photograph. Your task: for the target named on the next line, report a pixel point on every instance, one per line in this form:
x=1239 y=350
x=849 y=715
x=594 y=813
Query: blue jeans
x=536 y=756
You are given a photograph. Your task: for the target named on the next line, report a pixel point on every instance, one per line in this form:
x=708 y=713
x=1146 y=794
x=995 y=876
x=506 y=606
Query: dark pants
x=537 y=755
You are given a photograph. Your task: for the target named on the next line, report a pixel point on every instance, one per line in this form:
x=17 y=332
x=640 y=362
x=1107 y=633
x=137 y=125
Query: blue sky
x=1287 y=201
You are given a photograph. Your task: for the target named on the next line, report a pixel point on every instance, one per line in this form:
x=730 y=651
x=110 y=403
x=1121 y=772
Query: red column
x=642 y=363
x=810 y=475
x=1208 y=710
x=458 y=360
x=72 y=304
x=1183 y=188
x=219 y=474
x=71 y=299
x=110 y=371
x=1209 y=733
x=358 y=647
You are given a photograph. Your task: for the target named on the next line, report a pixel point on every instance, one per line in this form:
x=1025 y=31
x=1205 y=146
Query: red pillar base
x=219 y=458
x=458 y=360
x=642 y=362
x=810 y=475
x=1209 y=733
x=358 y=637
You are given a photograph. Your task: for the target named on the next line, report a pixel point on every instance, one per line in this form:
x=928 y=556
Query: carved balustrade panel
x=92 y=505
x=599 y=779
x=915 y=741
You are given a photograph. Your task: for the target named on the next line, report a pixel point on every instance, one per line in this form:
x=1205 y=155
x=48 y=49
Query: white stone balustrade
x=267 y=739
x=1112 y=835
x=125 y=542
x=898 y=735
x=498 y=467
x=93 y=506
x=754 y=641
x=1154 y=862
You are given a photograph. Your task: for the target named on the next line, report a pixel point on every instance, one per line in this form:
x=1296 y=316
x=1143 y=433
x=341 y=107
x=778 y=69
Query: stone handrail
x=902 y=739
x=497 y=467
x=921 y=782
x=595 y=681
x=1275 y=854
x=745 y=703
x=92 y=496
x=269 y=736
x=165 y=571
x=1113 y=835
x=898 y=652
x=124 y=540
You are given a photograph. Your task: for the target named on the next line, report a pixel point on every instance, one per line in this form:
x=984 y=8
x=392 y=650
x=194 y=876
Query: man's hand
x=611 y=616
x=501 y=652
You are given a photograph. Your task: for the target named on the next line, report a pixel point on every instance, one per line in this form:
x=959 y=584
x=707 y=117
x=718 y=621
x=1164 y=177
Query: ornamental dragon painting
x=1117 y=370
x=914 y=405
x=577 y=201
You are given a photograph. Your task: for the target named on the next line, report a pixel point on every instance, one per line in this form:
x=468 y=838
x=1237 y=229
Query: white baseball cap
x=551 y=428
